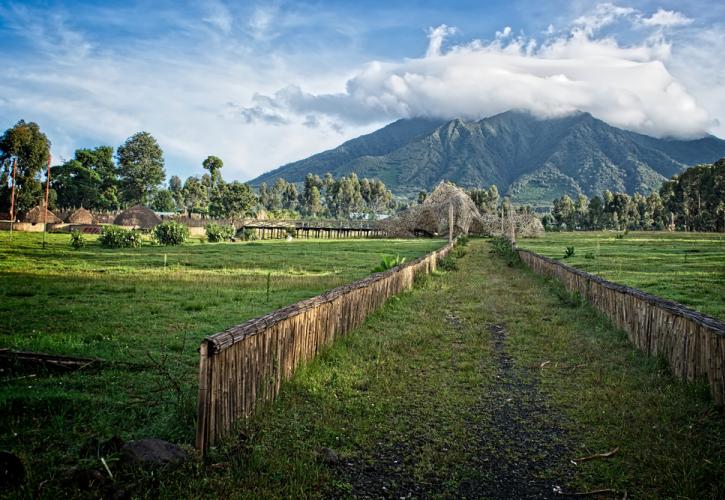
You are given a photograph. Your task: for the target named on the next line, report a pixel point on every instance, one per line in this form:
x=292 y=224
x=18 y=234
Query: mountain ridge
x=530 y=159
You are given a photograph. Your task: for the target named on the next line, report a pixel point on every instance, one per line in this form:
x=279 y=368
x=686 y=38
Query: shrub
x=502 y=247
x=388 y=262
x=448 y=263
x=463 y=240
x=77 y=240
x=459 y=252
x=216 y=232
x=248 y=234
x=291 y=231
x=569 y=252
x=171 y=233
x=118 y=237
x=590 y=255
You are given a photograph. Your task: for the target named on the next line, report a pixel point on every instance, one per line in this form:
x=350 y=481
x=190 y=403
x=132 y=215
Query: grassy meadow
x=685 y=267
x=145 y=310
x=482 y=381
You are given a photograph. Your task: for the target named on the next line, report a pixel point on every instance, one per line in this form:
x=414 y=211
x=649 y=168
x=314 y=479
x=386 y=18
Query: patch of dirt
x=522 y=445
x=517 y=446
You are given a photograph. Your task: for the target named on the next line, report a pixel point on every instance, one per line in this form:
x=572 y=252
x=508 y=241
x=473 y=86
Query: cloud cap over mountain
x=627 y=86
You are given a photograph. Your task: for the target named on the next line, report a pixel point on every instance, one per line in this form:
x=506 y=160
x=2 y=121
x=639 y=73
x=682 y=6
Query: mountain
x=532 y=160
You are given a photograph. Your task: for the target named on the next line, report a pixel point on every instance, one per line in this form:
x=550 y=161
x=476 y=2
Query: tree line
x=99 y=179
x=345 y=197
x=691 y=201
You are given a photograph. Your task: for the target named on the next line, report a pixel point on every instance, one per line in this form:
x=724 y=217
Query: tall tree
x=90 y=180
x=214 y=165
x=141 y=164
x=31 y=148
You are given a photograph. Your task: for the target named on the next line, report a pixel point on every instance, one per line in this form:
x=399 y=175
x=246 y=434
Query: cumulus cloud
x=626 y=86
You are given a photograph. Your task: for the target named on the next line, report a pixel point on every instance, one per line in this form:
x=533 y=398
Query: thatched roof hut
x=138 y=216
x=80 y=216
x=37 y=216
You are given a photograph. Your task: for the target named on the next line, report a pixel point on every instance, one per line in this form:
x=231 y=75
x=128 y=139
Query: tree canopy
x=141 y=165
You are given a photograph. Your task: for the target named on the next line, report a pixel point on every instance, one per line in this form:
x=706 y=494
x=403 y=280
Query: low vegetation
x=684 y=267
x=479 y=380
x=171 y=233
x=143 y=311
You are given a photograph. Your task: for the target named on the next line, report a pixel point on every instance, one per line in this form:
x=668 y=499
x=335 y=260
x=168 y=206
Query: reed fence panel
x=245 y=365
x=692 y=343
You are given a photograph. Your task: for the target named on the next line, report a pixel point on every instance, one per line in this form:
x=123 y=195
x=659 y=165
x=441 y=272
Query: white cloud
x=436 y=36
x=666 y=19
x=626 y=86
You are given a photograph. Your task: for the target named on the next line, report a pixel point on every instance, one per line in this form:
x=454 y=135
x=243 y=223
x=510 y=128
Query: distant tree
x=26 y=143
x=141 y=164
x=196 y=196
x=176 y=187
x=238 y=201
x=275 y=199
x=289 y=197
x=214 y=165
x=163 y=201
x=422 y=195
x=89 y=180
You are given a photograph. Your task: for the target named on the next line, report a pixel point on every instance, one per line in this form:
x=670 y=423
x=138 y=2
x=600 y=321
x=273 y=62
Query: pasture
x=144 y=311
x=685 y=267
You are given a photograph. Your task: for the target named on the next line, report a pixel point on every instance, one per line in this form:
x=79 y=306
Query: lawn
x=145 y=310
x=685 y=267
x=485 y=381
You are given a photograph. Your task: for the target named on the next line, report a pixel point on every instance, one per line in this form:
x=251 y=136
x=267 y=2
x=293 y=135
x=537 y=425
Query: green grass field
x=685 y=267
x=149 y=307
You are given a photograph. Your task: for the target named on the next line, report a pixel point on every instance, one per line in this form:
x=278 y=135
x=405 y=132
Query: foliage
x=233 y=201
x=503 y=248
x=569 y=252
x=163 y=201
x=459 y=251
x=217 y=232
x=77 y=240
x=338 y=198
x=171 y=233
x=448 y=263
x=88 y=180
x=25 y=143
x=141 y=166
x=388 y=262
x=248 y=234
x=693 y=200
x=463 y=240
x=119 y=237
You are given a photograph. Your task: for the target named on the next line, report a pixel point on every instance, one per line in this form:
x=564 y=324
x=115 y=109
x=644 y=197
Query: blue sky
x=261 y=84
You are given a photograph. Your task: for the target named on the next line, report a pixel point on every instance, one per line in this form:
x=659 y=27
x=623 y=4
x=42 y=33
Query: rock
x=152 y=452
x=12 y=471
x=329 y=456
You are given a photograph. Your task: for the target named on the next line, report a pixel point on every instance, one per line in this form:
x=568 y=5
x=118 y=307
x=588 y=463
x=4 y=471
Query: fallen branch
x=608 y=454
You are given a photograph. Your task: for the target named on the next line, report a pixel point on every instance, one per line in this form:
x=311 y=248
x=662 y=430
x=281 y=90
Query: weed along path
x=482 y=382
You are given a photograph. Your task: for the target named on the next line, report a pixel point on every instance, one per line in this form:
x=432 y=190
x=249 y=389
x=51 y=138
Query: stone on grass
x=152 y=451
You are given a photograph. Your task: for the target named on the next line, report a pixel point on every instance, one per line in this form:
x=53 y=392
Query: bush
x=569 y=252
x=459 y=252
x=248 y=234
x=448 y=263
x=171 y=233
x=77 y=240
x=216 y=232
x=502 y=247
x=463 y=240
x=388 y=262
x=118 y=237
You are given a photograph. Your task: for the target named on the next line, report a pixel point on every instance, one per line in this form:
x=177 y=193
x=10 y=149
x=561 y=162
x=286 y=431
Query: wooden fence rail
x=692 y=343
x=245 y=365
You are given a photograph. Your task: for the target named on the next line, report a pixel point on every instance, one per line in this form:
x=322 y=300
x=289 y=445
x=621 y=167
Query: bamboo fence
x=245 y=365
x=691 y=342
